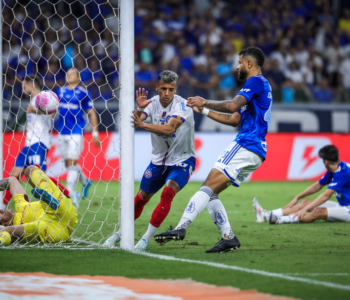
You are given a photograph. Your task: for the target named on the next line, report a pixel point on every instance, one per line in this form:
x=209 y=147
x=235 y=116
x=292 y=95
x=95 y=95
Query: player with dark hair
x=173 y=157
x=251 y=108
x=338 y=180
x=38 y=134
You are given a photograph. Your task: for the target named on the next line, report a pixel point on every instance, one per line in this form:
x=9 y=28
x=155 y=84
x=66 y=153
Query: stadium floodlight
x=44 y=40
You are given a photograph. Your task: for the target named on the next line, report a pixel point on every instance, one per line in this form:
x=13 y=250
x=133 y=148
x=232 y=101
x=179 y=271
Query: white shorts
x=71 y=145
x=336 y=212
x=237 y=163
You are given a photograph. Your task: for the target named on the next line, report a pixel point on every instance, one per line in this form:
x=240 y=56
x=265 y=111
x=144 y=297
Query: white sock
x=197 y=204
x=150 y=232
x=72 y=178
x=278 y=212
x=82 y=176
x=218 y=213
x=287 y=220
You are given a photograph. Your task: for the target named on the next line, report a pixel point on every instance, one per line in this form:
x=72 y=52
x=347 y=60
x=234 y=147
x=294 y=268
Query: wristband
x=140 y=109
x=205 y=111
x=95 y=134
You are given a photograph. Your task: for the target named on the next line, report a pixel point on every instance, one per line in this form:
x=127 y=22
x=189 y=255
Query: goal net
x=43 y=40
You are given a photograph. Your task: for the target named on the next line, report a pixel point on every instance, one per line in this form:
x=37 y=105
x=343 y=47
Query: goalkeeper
x=52 y=219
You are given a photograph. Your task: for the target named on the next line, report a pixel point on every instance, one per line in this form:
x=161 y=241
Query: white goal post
x=97 y=219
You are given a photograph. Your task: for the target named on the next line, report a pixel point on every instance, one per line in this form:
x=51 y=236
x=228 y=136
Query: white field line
x=222 y=266
x=319 y=274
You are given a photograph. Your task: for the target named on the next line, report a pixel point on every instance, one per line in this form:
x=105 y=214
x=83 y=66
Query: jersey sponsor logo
x=245 y=90
x=190 y=207
x=148 y=173
x=183 y=107
x=69 y=105
x=304 y=161
x=333 y=184
x=220 y=218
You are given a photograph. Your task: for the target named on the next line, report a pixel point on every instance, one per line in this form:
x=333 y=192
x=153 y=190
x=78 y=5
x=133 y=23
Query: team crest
x=220 y=218
x=240 y=178
x=190 y=207
x=148 y=173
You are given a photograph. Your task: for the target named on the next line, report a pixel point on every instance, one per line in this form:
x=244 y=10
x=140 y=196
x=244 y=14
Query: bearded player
x=173 y=158
x=51 y=219
x=38 y=135
x=252 y=109
x=338 y=180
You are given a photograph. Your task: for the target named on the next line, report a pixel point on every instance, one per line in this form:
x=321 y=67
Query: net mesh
x=44 y=39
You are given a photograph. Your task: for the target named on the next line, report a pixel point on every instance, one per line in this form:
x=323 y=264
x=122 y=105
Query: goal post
x=126 y=129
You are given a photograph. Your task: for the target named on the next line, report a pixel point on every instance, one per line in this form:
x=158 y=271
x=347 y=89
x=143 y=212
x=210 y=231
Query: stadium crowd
x=306 y=43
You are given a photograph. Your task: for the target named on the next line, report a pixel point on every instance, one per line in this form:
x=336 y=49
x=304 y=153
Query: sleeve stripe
x=145 y=113
x=179 y=117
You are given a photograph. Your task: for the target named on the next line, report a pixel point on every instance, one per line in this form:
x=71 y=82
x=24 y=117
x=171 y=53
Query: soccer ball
x=47 y=102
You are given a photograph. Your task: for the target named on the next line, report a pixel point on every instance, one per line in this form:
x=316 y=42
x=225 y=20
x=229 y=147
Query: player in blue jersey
x=338 y=180
x=251 y=108
x=75 y=104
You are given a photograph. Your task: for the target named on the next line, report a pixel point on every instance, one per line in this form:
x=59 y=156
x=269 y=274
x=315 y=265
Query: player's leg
x=152 y=181
x=11 y=234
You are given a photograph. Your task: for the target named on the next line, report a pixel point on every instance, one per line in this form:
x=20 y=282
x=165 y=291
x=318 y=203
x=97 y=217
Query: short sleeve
x=326 y=178
x=339 y=180
x=86 y=102
x=182 y=111
x=240 y=111
x=253 y=86
x=148 y=110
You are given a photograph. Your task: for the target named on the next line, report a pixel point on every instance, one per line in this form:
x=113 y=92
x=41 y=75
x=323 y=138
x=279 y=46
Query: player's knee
x=318 y=213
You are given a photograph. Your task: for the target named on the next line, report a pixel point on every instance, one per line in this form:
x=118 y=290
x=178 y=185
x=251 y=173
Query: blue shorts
x=156 y=176
x=32 y=155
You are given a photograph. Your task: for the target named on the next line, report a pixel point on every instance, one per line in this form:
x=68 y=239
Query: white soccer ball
x=47 y=102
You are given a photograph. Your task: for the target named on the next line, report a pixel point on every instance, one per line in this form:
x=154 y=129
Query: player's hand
x=292 y=203
x=196 y=101
x=30 y=109
x=300 y=214
x=137 y=120
x=197 y=109
x=141 y=98
x=96 y=142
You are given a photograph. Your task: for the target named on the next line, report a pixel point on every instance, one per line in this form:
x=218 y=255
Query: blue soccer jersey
x=71 y=111
x=340 y=182
x=255 y=115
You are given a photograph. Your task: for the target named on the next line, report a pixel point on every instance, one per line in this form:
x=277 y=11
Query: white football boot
x=260 y=213
x=142 y=244
x=112 y=240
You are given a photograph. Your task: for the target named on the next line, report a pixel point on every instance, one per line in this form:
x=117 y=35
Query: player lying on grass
x=173 y=158
x=252 y=109
x=338 y=180
x=52 y=219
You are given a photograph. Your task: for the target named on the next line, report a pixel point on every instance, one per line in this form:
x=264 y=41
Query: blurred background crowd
x=306 y=44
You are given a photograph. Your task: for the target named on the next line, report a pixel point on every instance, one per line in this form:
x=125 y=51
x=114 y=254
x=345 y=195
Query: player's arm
x=229 y=106
x=325 y=196
x=93 y=121
x=312 y=189
x=33 y=110
x=167 y=129
x=227 y=119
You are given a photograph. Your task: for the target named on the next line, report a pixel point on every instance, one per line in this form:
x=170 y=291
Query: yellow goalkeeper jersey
x=26 y=212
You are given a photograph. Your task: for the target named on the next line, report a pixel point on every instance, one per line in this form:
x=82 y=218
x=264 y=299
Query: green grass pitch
x=318 y=251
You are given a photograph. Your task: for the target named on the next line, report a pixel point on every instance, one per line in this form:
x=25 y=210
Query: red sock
x=60 y=186
x=7 y=197
x=163 y=208
x=139 y=204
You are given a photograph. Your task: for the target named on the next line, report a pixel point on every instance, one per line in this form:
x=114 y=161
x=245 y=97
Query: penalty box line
x=246 y=270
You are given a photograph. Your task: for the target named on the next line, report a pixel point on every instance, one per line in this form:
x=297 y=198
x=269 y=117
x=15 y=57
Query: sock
x=163 y=208
x=278 y=212
x=72 y=178
x=7 y=197
x=197 y=204
x=5 y=238
x=139 y=204
x=61 y=187
x=287 y=220
x=218 y=213
x=150 y=232
x=82 y=176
